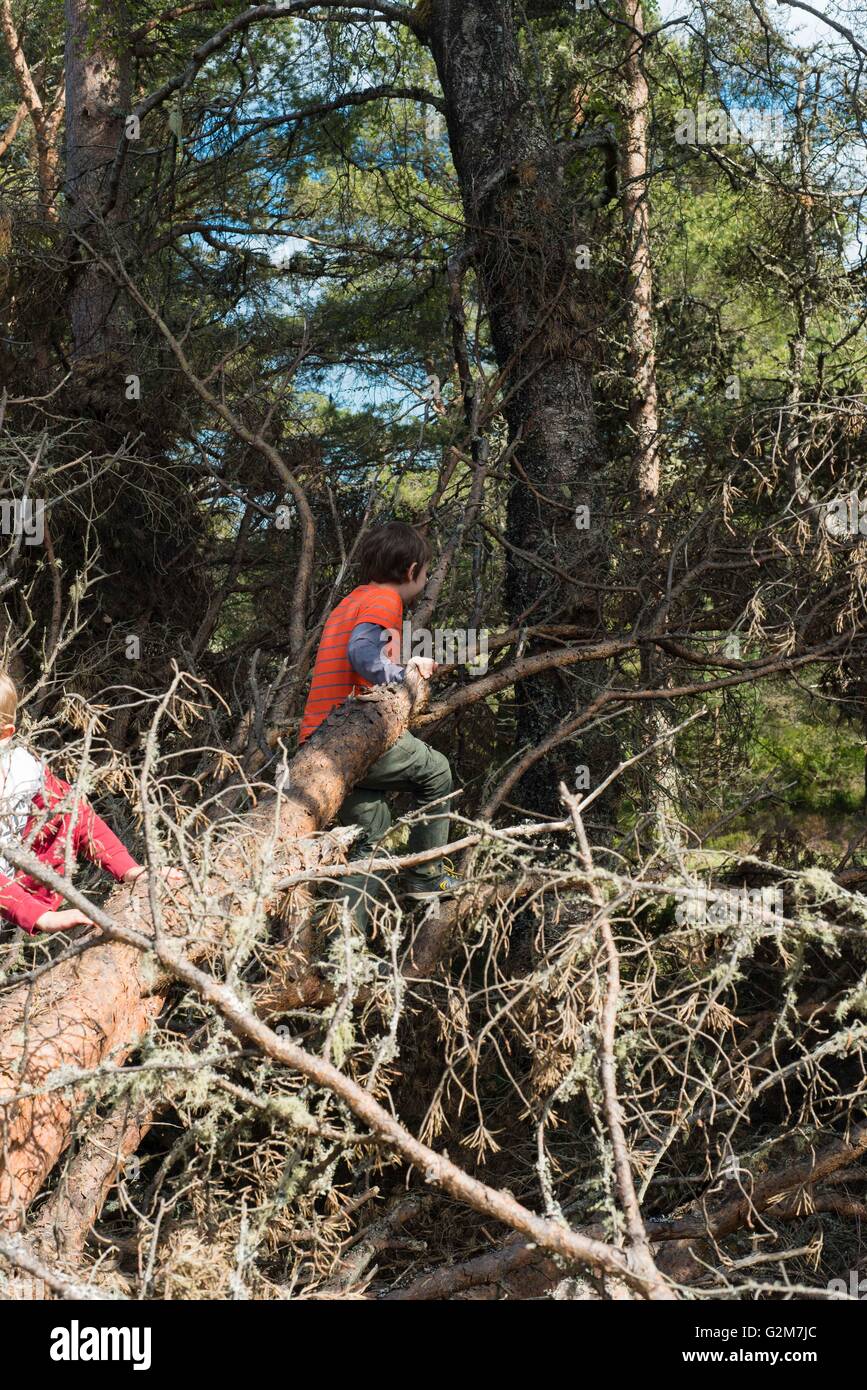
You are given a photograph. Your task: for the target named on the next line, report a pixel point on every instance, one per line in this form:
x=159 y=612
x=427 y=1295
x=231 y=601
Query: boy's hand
x=62 y=921
x=171 y=875
x=425 y=666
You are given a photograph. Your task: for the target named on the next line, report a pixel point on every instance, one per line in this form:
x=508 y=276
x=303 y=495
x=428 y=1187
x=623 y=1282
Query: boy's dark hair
x=386 y=553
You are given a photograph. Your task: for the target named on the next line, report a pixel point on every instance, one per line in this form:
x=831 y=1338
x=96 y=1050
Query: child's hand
x=62 y=921
x=170 y=875
x=425 y=666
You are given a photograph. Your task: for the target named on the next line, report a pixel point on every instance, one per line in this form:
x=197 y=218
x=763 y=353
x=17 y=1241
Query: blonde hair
x=8 y=699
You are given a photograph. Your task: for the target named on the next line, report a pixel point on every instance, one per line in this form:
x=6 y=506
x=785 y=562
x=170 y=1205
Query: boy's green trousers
x=412 y=766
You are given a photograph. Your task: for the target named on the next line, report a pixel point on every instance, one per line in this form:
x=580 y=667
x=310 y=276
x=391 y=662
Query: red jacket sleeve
x=91 y=836
x=20 y=907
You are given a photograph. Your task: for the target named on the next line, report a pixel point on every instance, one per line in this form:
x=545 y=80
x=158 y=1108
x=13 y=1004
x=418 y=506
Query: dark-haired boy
x=355 y=653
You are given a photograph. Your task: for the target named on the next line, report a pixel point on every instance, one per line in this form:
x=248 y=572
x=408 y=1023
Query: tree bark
x=634 y=176
x=524 y=237
x=98 y=98
x=45 y=117
x=61 y=1230
x=658 y=775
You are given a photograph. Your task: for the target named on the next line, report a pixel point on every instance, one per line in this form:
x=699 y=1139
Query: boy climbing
x=37 y=811
x=356 y=653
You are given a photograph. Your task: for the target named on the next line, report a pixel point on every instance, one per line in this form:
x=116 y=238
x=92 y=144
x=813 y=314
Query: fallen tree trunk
x=60 y=1232
x=99 y=1005
x=64 y=1222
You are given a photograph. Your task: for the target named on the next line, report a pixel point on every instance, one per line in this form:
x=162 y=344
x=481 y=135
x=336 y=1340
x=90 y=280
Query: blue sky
x=805 y=28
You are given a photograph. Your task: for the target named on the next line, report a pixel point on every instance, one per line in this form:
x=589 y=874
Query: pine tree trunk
x=525 y=239
x=659 y=771
x=98 y=96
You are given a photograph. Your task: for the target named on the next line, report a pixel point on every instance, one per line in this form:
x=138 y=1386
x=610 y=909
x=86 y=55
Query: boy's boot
x=444 y=883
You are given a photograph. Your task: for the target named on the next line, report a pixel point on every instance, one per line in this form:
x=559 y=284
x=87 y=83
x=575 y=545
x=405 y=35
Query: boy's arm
x=368 y=644
x=91 y=836
x=18 y=906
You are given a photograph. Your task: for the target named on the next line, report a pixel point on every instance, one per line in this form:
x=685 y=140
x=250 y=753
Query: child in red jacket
x=40 y=811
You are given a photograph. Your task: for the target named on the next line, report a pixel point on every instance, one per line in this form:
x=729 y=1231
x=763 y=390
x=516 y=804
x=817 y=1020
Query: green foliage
x=821 y=759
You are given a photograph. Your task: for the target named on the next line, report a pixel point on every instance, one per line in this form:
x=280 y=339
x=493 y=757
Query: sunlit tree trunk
x=659 y=770
x=45 y=113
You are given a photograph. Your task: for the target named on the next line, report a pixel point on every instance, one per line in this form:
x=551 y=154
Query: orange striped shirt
x=334 y=680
